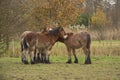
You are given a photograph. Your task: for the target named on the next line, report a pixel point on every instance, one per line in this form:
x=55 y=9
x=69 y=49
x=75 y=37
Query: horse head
x=46 y=29
x=59 y=32
x=68 y=36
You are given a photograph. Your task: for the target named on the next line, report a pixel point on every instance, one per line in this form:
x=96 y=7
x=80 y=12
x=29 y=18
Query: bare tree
x=11 y=18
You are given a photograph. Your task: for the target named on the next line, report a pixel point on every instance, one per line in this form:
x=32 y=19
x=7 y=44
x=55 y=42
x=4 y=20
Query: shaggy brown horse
x=42 y=42
x=76 y=41
x=22 y=37
x=44 y=30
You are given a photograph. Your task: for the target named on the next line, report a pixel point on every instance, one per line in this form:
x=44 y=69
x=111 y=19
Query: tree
x=99 y=19
x=63 y=12
x=11 y=18
x=116 y=19
x=83 y=19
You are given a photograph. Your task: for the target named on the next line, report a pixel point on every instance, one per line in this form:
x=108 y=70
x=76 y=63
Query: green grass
x=105 y=64
x=102 y=68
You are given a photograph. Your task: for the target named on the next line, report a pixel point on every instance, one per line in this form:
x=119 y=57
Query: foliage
x=99 y=22
x=99 y=19
x=83 y=19
x=2 y=44
x=17 y=16
x=11 y=21
x=63 y=12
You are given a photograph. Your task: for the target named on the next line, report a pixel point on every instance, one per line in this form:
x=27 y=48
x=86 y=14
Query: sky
x=110 y=1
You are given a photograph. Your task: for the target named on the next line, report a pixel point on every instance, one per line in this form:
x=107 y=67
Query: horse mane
x=54 y=31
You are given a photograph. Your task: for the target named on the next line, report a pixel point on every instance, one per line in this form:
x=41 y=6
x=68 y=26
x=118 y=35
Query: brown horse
x=76 y=41
x=44 y=30
x=42 y=42
x=22 y=37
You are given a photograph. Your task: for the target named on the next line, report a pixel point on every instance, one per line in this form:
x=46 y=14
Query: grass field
x=105 y=64
x=102 y=68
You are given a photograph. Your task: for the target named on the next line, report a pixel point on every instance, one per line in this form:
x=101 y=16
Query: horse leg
x=32 y=56
x=42 y=56
x=69 y=55
x=76 y=59
x=87 y=53
x=35 y=56
x=38 y=57
x=25 y=56
x=42 y=60
x=47 y=54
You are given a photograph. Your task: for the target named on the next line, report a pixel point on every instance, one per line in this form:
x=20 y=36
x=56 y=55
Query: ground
x=102 y=68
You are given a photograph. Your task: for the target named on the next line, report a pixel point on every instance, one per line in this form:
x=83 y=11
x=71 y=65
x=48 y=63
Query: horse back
x=24 y=34
x=78 y=40
x=44 y=40
x=30 y=39
x=72 y=41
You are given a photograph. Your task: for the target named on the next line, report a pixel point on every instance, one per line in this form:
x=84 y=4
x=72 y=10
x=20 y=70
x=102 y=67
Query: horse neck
x=65 y=41
x=53 y=38
x=61 y=40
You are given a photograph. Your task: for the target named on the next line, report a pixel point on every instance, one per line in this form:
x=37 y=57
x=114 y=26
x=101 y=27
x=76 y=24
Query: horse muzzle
x=65 y=36
x=50 y=29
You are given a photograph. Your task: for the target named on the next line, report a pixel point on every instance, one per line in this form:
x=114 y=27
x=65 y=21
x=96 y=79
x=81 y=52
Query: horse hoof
x=36 y=61
x=39 y=61
x=47 y=62
x=32 y=62
x=75 y=61
x=87 y=62
x=25 y=62
x=69 y=62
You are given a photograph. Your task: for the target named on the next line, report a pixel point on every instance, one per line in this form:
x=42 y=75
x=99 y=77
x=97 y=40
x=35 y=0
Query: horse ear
x=61 y=28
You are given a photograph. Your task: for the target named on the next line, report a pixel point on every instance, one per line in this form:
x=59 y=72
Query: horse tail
x=88 y=41
x=21 y=47
x=25 y=44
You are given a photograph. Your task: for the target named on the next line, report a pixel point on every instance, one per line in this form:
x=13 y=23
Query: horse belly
x=75 y=45
x=43 y=45
x=76 y=42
